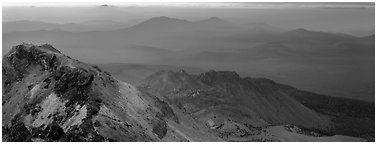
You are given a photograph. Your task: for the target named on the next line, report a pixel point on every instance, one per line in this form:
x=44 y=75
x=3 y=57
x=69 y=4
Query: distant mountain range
x=329 y=63
x=95 y=25
x=100 y=25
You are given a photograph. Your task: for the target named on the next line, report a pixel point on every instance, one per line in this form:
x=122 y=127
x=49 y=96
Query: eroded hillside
x=48 y=96
x=258 y=109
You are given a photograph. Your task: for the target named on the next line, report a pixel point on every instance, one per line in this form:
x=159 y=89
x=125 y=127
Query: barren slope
x=48 y=96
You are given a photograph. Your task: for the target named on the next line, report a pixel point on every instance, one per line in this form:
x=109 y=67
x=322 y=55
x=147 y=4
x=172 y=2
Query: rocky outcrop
x=48 y=96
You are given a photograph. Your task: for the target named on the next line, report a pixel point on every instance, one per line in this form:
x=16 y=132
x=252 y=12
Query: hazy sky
x=350 y=18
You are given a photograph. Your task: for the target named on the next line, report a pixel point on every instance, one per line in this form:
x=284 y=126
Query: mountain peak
x=27 y=46
x=301 y=30
x=162 y=17
x=215 y=19
x=106 y=6
x=63 y=99
x=159 y=23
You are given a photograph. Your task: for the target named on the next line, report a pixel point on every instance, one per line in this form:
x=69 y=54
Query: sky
x=196 y=4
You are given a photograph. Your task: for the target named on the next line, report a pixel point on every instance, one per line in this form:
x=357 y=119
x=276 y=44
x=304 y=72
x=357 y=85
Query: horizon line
x=245 y=5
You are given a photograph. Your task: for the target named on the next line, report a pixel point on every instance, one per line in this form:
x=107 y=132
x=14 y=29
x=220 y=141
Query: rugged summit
x=48 y=96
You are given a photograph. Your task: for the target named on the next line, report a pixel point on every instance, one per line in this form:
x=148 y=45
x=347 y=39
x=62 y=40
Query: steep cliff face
x=48 y=96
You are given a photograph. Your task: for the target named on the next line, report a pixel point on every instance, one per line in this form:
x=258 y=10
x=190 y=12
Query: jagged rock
x=48 y=96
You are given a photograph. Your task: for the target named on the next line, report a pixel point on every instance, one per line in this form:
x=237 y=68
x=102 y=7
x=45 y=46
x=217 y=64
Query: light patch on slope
x=76 y=119
x=131 y=94
x=34 y=90
x=107 y=112
x=50 y=105
x=69 y=64
x=173 y=128
x=131 y=101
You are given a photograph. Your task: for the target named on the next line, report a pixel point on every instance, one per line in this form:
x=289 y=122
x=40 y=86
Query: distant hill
x=327 y=63
x=25 y=25
x=213 y=89
x=223 y=99
x=263 y=27
x=108 y=24
x=215 y=22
